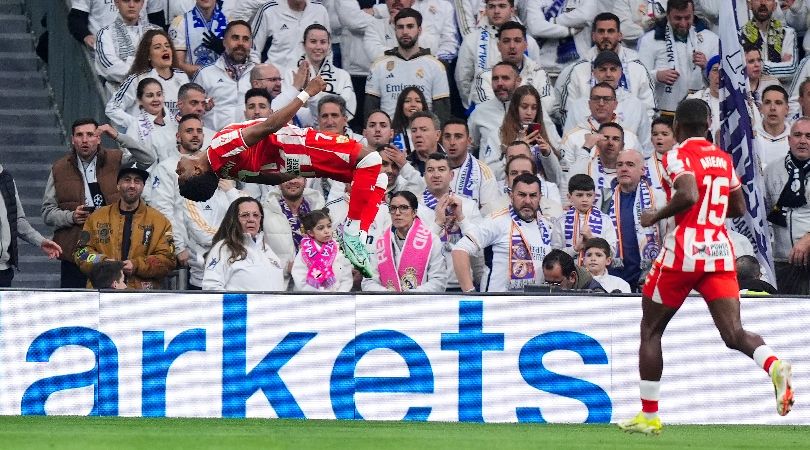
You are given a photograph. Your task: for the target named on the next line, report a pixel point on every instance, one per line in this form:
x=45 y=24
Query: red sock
x=768 y=362
x=369 y=213
x=363 y=193
x=649 y=406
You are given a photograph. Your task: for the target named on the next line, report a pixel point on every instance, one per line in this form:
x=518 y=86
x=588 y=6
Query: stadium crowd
x=522 y=139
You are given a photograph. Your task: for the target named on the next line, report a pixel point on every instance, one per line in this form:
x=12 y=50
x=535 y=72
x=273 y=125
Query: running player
x=268 y=151
x=703 y=190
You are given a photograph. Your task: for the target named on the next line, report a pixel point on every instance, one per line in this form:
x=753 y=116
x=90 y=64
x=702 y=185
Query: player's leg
x=721 y=293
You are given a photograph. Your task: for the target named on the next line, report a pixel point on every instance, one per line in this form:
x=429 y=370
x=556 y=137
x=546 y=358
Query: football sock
x=650 y=391
x=370 y=212
x=364 y=179
x=764 y=357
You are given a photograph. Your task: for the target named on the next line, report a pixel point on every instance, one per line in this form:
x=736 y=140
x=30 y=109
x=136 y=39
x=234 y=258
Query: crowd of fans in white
x=565 y=112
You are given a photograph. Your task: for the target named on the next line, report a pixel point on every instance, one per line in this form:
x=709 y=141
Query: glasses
x=274 y=79
x=602 y=98
x=246 y=216
x=398 y=208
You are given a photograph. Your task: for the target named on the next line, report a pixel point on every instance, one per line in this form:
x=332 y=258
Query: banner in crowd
x=737 y=138
x=380 y=357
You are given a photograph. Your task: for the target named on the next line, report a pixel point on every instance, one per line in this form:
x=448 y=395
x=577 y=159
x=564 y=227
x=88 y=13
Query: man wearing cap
x=131 y=232
x=635 y=102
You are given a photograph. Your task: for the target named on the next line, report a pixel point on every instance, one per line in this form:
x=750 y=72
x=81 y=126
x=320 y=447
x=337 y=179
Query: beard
x=406 y=45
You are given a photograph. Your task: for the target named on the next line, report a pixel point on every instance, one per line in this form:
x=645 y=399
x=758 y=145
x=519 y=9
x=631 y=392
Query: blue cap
x=712 y=61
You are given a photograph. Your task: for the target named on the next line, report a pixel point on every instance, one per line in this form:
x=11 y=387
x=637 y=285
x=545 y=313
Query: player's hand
x=397 y=156
x=108 y=130
x=182 y=258
x=128 y=268
x=800 y=253
x=592 y=139
x=667 y=76
x=315 y=86
x=51 y=248
x=301 y=76
x=648 y=218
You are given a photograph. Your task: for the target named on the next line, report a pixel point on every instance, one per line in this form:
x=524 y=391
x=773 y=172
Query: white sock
x=650 y=390
x=761 y=354
x=372 y=159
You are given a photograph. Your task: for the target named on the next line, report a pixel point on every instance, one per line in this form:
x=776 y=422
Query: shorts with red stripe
x=670 y=287
x=315 y=153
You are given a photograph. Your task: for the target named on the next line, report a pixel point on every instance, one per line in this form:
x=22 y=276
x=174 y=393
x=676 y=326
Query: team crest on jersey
x=420 y=72
x=389 y=66
x=341 y=139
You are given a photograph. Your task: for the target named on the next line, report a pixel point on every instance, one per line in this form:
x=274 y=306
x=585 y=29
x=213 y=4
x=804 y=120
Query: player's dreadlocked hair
x=199 y=188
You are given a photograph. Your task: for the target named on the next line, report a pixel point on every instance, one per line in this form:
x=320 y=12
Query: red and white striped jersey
x=699 y=242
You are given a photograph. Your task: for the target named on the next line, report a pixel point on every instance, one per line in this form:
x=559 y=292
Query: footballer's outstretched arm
x=686 y=195
x=255 y=133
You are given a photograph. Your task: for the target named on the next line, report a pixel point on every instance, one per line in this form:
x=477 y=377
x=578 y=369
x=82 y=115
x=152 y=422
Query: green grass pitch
x=201 y=434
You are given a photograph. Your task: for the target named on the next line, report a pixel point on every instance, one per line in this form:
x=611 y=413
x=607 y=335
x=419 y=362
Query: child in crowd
x=582 y=220
x=319 y=265
x=108 y=274
x=597 y=260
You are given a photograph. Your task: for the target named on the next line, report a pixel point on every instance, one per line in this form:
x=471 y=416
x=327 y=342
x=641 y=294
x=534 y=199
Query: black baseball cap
x=128 y=170
x=607 y=57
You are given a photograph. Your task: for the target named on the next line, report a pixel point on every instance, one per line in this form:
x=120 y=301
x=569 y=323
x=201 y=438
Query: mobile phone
x=88 y=208
x=534 y=126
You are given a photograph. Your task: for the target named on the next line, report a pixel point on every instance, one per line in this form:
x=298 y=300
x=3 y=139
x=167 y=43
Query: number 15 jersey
x=699 y=242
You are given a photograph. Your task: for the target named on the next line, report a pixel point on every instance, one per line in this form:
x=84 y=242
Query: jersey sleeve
x=675 y=164
x=177 y=32
x=733 y=178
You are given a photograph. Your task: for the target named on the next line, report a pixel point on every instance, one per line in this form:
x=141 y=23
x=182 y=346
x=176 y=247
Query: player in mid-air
x=703 y=190
x=269 y=151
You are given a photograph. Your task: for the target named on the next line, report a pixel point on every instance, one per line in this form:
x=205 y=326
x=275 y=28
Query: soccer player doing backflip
x=703 y=190
x=269 y=151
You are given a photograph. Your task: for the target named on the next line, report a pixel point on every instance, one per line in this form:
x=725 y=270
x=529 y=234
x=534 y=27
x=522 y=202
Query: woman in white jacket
x=240 y=260
x=319 y=265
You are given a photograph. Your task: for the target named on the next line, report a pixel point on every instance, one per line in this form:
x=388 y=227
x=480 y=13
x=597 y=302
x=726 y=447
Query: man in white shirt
x=562 y=27
x=487 y=116
x=87 y=17
x=117 y=42
x=448 y=215
x=514 y=241
x=472 y=178
x=438 y=31
x=512 y=45
x=676 y=53
x=228 y=79
x=602 y=165
x=775 y=40
x=772 y=134
x=405 y=65
x=195 y=33
x=277 y=29
x=479 y=50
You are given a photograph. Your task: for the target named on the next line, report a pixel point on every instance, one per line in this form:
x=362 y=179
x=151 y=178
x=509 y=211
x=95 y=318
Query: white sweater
x=261 y=269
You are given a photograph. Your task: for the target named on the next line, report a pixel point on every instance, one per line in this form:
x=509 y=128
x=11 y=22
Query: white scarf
x=89 y=176
x=676 y=57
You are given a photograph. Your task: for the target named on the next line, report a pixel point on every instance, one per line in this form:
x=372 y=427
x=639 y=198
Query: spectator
x=131 y=232
x=79 y=182
x=637 y=246
x=426 y=132
x=679 y=69
x=562 y=26
x=277 y=29
x=559 y=270
x=519 y=239
x=757 y=81
x=283 y=209
x=154 y=59
x=579 y=142
x=266 y=76
x=401 y=175
x=775 y=40
x=772 y=133
x=257 y=104
x=786 y=197
x=448 y=215
x=637 y=17
x=512 y=46
x=487 y=116
x=582 y=220
x=152 y=113
x=226 y=81
x=575 y=80
x=601 y=167
x=108 y=274
x=87 y=17
x=240 y=259
x=201 y=221
x=319 y=264
x=410 y=101
x=525 y=109
x=117 y=41
x=749 y=277
x=407 y=64
x=634 y=108
x=14 y=225
x=318 y=61
x=378 y=130
x=197 y=36
x=597 y=260
x=164 y=191
x=479 y=49
x=471 y=178
x=409 y=256
x=711 y=94
x=800 y=93
x=333 y=116
x=520 y=159
x=663 y=139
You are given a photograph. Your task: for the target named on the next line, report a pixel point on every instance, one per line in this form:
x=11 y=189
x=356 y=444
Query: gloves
x=213 y=43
